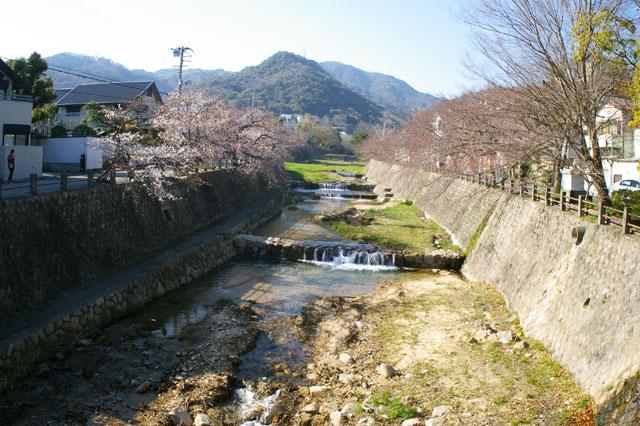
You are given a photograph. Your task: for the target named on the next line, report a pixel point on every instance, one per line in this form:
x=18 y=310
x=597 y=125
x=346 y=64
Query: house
x=71 y=101
x=291 y=120
x=75 y=154
x=15 y=124
x=619 y=147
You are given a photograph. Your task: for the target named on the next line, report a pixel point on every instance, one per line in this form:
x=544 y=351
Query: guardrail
x=605 y=215
x=35 y=186
x=13 y=97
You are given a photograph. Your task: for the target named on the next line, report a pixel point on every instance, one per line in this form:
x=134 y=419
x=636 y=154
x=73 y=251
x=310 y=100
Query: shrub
x=620 y=199
x=82 y=130
x=59 y=131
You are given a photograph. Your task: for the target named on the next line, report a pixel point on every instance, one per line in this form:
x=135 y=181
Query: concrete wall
x=53 y=242
x=28 y=161
x=581 y=300
x=63 y=154
x=169 y=273
x=14 y=111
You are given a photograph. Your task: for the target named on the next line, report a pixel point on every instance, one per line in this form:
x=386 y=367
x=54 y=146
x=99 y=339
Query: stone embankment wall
x=50 y=243
x=579 y=297
x=252 y=245
x=170 y=272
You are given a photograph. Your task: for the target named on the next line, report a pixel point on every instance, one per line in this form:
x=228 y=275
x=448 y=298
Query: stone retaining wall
x=53 y=242
x=252 y=245
x=580 y=298
x=60 y=335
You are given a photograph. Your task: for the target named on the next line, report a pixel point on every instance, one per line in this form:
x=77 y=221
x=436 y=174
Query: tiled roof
x=61 y=94
x=106 y=93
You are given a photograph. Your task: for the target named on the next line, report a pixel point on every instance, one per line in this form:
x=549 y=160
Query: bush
x=82 y=130
x=624 y=197
x=59 y=131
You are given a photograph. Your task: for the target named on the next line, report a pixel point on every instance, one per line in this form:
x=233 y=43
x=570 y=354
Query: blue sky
x=417 y=41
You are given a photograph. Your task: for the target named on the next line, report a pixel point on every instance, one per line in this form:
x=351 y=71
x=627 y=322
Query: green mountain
x=71 y=64
x=390 y=92
x=287 y=83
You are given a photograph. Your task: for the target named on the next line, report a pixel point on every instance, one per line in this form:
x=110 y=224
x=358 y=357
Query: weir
x=343 y=253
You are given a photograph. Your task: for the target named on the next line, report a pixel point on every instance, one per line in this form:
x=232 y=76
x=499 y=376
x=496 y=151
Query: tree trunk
x=595 y=170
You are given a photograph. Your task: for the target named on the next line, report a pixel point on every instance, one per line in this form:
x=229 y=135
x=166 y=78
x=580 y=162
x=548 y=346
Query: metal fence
x=34 y=185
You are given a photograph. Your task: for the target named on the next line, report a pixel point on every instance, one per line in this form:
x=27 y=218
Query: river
x=277 y=291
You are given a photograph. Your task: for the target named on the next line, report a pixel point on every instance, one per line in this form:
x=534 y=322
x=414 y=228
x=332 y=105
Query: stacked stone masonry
x=51 y=243
x=192 y=263
x=580 y=298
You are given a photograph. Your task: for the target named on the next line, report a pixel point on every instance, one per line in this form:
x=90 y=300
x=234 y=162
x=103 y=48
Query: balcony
x=15 y=98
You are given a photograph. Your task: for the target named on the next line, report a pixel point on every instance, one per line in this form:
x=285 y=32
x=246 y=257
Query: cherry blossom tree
x=191 y=131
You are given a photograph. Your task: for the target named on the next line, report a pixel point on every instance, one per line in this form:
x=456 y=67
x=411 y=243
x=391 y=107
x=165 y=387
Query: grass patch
x=394 y=409
x=319 y=172
x=400 y=227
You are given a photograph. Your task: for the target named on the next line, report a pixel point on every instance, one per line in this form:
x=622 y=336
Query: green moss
x=476 y=235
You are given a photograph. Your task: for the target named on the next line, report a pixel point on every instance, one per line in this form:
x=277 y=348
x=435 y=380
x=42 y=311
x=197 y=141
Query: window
x=617 y=178
x=16 y=134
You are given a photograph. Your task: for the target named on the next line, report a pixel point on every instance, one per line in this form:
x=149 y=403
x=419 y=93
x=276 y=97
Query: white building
x=619 y=146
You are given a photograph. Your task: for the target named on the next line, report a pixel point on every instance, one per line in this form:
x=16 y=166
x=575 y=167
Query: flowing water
x=278 y=291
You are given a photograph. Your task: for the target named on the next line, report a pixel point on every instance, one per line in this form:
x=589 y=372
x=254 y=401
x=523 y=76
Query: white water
x=248 y=405
x=351 y=260
x=329 y=193
x=334 y=186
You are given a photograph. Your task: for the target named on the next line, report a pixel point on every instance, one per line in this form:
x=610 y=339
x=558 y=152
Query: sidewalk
x=118 y=279
x=49 y=182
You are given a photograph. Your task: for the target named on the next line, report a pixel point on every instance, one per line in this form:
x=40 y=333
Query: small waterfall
x=333 y=186
x=354 y=259
x=345 y=173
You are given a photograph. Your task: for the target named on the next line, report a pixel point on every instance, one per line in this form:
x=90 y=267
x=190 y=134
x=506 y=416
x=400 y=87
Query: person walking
x=11 y=162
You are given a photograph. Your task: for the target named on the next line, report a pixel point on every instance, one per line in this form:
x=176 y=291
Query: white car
x=630 y=184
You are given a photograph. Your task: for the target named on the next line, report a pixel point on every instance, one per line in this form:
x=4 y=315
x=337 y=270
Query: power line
x=70 y=71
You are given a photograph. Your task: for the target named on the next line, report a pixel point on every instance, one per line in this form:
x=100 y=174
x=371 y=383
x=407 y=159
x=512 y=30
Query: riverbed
x=99 y=381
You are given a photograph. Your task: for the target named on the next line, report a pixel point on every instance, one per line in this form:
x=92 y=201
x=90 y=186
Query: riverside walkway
x=30 y=322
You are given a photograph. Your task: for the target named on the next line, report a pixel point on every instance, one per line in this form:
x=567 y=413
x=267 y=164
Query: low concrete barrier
x=252 y=245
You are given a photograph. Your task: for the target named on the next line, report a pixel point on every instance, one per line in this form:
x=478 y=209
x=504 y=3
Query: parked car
x=630 y=184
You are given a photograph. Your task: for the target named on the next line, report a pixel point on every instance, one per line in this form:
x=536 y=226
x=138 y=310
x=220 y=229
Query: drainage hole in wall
x=586 y=302
x=168 y=214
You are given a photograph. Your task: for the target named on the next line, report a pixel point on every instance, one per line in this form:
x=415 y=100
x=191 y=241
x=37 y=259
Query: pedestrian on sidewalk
x=11 y=162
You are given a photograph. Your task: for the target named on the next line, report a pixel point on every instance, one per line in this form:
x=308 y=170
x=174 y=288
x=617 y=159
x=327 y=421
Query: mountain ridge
x=289 y=83
x=390 y=92
x=284 y=83
x=104 y=68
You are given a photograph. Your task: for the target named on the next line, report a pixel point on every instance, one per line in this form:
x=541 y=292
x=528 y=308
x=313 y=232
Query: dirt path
x=439 y=337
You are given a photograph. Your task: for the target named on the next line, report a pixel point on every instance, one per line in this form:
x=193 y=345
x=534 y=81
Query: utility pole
x=180 y=52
